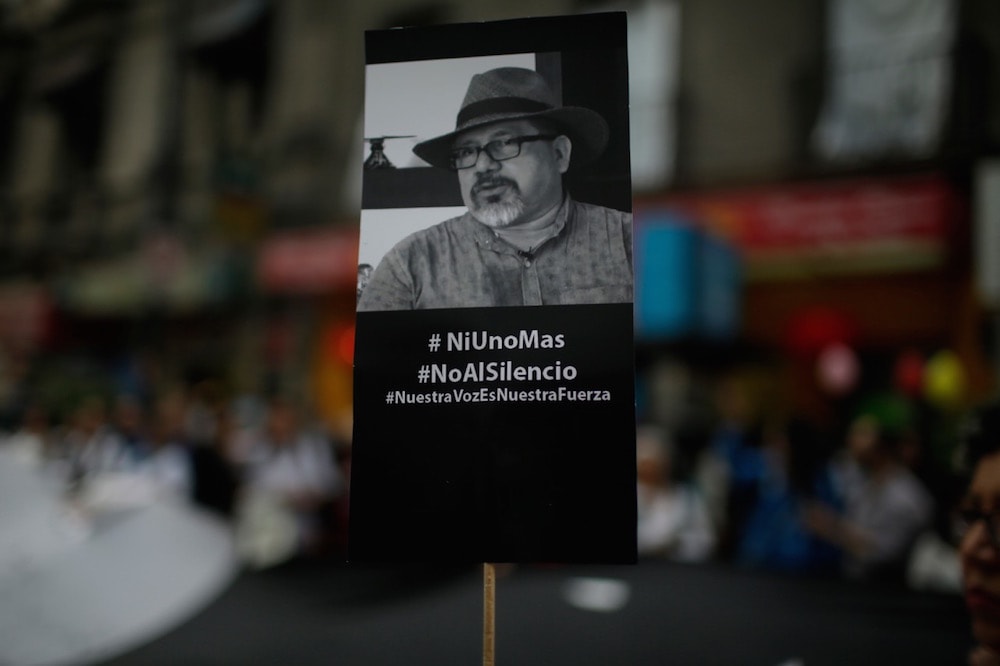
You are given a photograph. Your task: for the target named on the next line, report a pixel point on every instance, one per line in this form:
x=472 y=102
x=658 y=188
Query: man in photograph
x=523 y=239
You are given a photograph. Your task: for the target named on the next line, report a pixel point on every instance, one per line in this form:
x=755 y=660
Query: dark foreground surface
x=653 y=613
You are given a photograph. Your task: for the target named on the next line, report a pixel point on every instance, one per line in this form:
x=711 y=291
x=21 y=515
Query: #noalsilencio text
x=495 y=371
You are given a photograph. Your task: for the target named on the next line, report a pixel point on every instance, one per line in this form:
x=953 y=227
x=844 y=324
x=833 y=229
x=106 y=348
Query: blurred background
x=817 y=207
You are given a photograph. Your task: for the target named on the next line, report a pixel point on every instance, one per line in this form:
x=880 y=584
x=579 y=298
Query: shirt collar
x=485 y=236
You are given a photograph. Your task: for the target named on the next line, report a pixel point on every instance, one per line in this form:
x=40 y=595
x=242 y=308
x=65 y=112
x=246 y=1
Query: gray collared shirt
x=462 y=263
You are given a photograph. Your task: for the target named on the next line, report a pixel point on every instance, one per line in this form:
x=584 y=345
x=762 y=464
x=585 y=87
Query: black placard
x=500 y=434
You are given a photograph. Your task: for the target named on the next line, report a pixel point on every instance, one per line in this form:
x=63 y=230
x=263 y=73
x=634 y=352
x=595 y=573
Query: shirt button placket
x=531 y=289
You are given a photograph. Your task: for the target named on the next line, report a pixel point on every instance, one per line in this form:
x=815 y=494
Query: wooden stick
x=489 y=620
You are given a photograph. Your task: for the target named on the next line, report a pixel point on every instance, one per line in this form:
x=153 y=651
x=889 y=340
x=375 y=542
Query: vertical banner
x=494 y=376
x=889 y=79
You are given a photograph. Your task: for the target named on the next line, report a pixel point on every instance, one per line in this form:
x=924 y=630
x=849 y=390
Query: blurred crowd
x=762 y=489
x=263 y=464
x=772 y=490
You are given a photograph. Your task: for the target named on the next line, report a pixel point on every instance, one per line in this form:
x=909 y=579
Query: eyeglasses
x=499 y=150
x=966 y=518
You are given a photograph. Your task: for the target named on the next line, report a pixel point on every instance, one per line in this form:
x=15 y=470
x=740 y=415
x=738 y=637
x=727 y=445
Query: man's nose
x=486 y=163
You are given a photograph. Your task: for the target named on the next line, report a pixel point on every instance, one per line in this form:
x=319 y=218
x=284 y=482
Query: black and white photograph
x=493 y=421
x=496 y=131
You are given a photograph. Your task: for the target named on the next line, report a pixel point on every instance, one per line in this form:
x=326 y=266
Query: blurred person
x=30 y=442
x=885 y=506
x=130 y=422
x=794 y=476
x=90 y=445
x=15 y=378
x=925 y=446
x=167 y=460
x=979 y=532
x=729 y=470
x=296 y=468
x=191 y=432
x=673 y=520
x=215 y=477
x=934 y=561
x=203 y=406
x=239 y=429
x=523 y=240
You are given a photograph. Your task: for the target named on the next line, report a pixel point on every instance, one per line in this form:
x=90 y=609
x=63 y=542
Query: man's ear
x=562 y=149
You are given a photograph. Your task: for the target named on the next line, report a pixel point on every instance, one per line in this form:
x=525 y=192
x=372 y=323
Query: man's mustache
x=488 y=181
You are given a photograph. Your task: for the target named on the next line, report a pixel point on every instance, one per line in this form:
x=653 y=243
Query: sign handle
x=489 y=618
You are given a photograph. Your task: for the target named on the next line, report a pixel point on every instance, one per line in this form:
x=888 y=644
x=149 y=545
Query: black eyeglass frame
x=491 y=148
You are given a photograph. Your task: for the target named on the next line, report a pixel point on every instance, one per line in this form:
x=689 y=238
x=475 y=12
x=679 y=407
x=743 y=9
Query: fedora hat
x=515 y=93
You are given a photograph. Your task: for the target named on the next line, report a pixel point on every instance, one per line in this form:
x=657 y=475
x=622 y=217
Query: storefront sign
x=830 y=227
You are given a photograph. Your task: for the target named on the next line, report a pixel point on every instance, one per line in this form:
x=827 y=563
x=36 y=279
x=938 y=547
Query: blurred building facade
x=182 y=179
x=844 y=149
